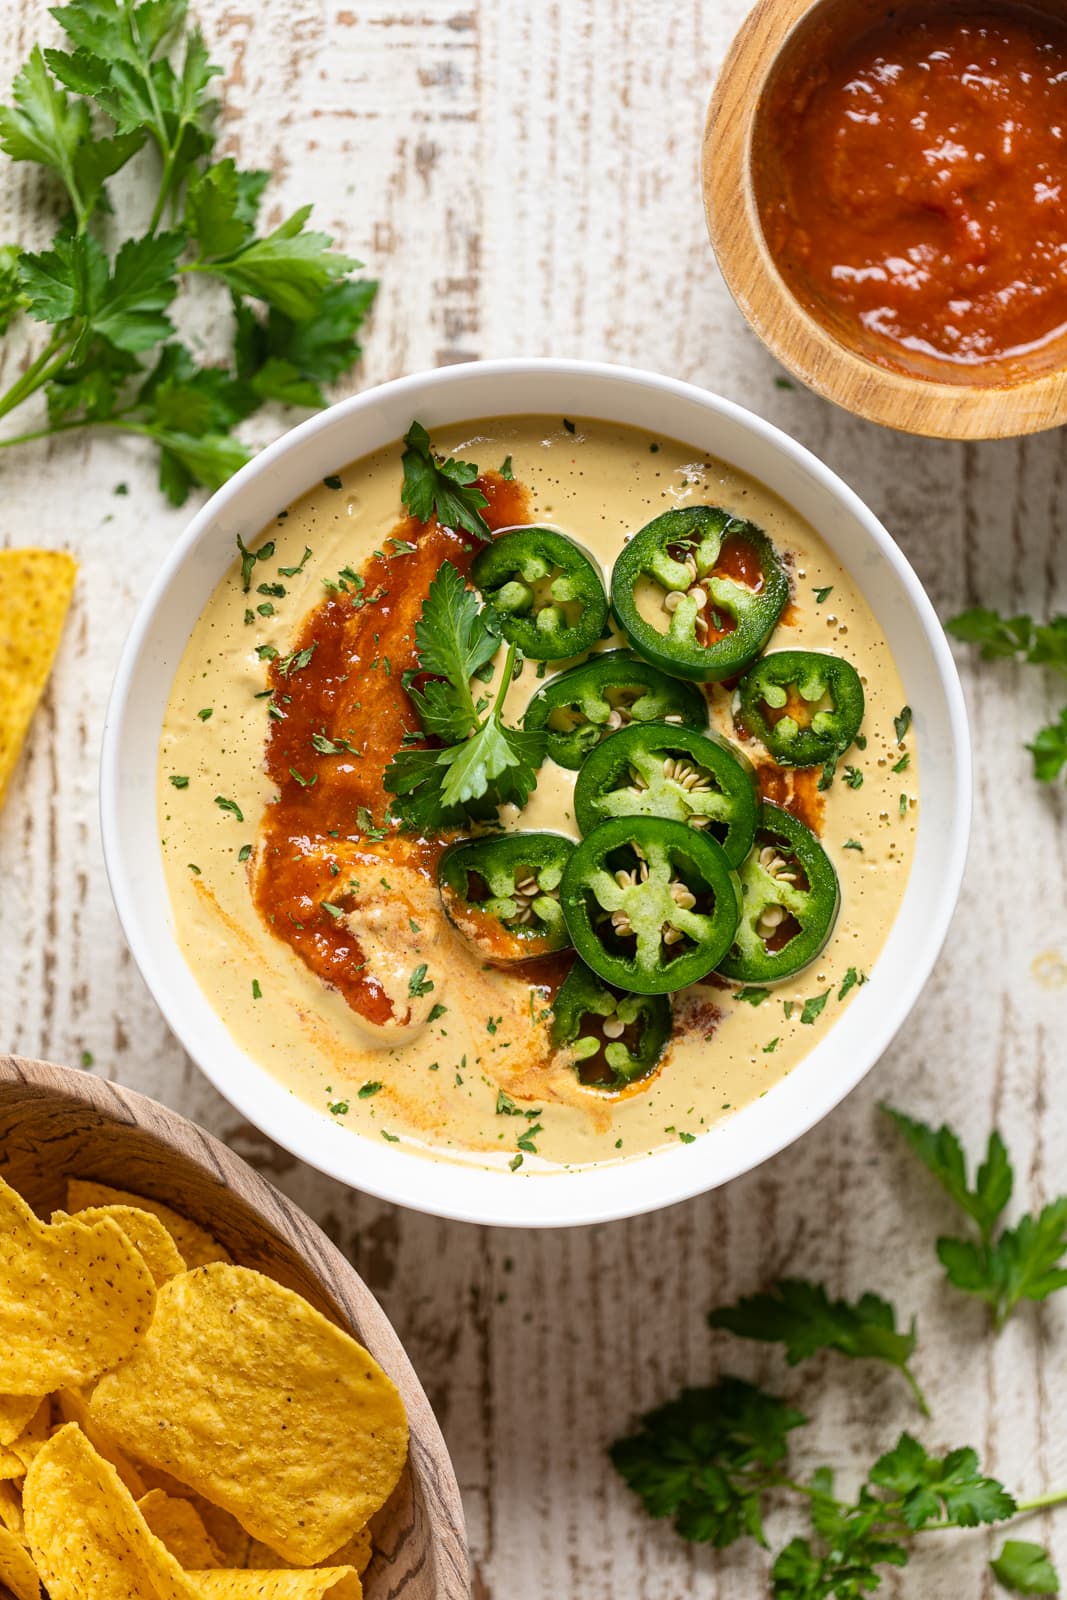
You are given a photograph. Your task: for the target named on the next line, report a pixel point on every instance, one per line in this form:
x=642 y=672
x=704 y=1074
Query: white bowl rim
x=480 y=1195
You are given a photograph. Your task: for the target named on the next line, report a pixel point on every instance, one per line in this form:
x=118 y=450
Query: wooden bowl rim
x=790 y=332
x=429 y=1458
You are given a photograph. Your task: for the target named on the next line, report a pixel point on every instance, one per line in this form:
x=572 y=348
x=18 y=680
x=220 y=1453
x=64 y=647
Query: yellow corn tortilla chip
x=195 y=1244
x=16 y=1568
x=35 y=591
x=177 y=1522
x=225 y=1532
x=74 y=1299
x=249 y=1395
x=72 y=1406
x=33 y=1436
x=10 y=1508
x=355 y=1552
x=15 y=1412
x=339 y=1583
x=85 y=1533
x=145 y=1232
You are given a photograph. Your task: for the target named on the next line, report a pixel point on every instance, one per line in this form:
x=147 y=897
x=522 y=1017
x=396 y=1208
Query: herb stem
x=1055 y=1497
x=38 y=372
x=913 y=1384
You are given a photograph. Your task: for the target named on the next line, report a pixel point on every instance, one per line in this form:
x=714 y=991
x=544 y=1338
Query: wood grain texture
x=779 y=44
x=57 y=1123
x=523 y=175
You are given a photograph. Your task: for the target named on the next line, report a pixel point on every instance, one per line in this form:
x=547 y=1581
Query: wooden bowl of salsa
x=884 y=193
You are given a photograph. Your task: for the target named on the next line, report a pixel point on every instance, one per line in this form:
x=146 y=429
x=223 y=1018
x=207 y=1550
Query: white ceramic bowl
x=454 y=394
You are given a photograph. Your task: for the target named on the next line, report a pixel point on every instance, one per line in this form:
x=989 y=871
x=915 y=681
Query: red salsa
x=914 y=189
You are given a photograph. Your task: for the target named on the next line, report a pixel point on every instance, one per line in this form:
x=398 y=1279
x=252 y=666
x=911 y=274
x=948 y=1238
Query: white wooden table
x=522 y=175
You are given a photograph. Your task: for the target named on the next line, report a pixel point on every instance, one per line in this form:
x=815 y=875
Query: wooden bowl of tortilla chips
x=215 y=1349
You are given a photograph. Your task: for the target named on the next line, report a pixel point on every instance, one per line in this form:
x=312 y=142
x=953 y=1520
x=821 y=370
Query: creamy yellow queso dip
x=435 y=1085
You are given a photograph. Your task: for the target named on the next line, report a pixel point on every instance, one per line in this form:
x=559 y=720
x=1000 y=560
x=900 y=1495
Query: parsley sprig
x=801 y=1315
x=711 y=1459
x=1041 y=644
x=483 y=760
x=137 y=78
x=1002 y=1266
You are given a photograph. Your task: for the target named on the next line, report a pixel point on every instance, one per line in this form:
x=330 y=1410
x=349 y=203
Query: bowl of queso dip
x=535 y=792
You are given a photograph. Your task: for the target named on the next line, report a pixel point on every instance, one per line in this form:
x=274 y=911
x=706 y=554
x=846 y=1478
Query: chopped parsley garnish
x=266 y=652
x=752 y=995
x=569 y=425
x=296 y=660
x=338 y=1108
x=768 y=1048
x=438 y=1011
x=367 y=1089
x=393 y=1138
x=516 y=1162
x=305 y=783
x=257 y=992
x=194 y=868
x=505 y=470
x=902 y=722
x=325 y=745
x=332 y=481
x=903 y=764
x=293 y=572
x=823 y=594
x=249 y=559
x=852 y=844
x=851 y=979
x=526 y=1138
x=903 y=805
x=335 y=911
x=402 y=547
x=180 y=781
x=229 y=805
x=205 y=714
x=854 y=777
x=418 y=983
x=814 y=1007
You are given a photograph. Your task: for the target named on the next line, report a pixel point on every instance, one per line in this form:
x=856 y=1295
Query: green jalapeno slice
x=804 y=705
x=502 y=894
x=698 y=592
x=651 y=904
x=586 y=703
x=790 y=899
x=611 y=1038
x=547 y=594
x=654 y=770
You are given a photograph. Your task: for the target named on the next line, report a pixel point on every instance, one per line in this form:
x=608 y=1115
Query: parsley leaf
x=706 y=1459
x=929 y=1486
x=800 y=1315
x=1049 y=749
x=440 y=486
x=1025 y=1262
x=289 y=268
x=1025 y=1568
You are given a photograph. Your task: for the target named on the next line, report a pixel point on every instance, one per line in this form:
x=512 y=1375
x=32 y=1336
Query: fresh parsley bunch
x=134 y=77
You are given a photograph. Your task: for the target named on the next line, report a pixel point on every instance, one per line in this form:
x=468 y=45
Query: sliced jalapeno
x=790 y=900
x=651 y=904
x=698 y=592
x=612 y=1038
x=654 y=770
x=588 y=702
x=502 y=894
x=547 y=594
x=805 y=706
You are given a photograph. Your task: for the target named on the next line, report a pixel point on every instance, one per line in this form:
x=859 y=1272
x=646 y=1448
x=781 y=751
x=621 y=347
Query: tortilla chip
x=339 y=1583
x=10 y=1508
x=16 y=1568
x=35 y=591
x=33 y=1436
x=15 y=1412
x=74 y=1299
x=144 y=1231
x=246 y=1393
x=72 y=1406
x=177 y=1522
x=195 y=1244
x=87 y=1536
x=355 y=1552
x=225 y=1532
